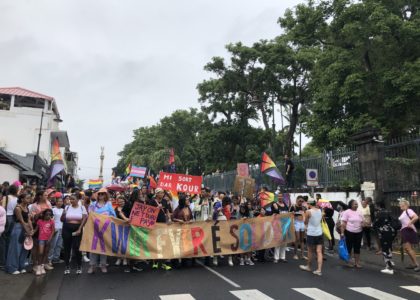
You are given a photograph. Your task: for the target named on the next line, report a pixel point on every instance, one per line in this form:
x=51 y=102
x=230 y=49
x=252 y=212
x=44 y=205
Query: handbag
x=343 y=253
x=325 y=229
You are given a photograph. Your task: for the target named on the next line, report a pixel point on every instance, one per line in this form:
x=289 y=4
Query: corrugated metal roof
x=24 y=93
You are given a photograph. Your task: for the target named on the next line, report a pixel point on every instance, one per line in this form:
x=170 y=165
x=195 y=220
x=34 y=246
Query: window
x=5 y=101
x=29 y=102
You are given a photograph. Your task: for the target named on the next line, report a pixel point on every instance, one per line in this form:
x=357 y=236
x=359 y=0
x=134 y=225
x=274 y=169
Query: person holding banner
x=164 y=216
x=104 y=207
x=299 y=211
x=314 y=239
x=280 y=208
x=183 y=215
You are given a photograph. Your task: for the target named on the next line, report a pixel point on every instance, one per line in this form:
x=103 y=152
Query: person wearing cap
x=164 y=216
x=314 y=237
x=101 y=206
x=17 y=254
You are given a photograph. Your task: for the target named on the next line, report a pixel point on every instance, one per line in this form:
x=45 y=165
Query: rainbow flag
x=266 y=198
x=57 y=164
x=95 y=183
x=269 y=168
x=137 y=171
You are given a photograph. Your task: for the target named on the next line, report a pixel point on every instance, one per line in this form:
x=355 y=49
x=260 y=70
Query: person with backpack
x=386 y=227
x=409 y=232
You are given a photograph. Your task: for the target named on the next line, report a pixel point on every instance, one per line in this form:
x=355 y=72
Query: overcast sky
x=114 y=65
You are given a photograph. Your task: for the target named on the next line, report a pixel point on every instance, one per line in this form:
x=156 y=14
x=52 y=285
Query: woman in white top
x=409 y=232
x=74 y=218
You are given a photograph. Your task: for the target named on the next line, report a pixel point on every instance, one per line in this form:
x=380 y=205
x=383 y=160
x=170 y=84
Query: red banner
x=143 y=215
x=180 y=182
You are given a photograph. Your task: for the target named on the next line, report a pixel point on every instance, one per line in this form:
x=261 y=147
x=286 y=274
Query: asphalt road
x=260 y=282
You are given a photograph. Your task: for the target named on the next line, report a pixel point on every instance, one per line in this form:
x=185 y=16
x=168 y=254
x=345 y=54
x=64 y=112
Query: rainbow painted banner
x=114 y=237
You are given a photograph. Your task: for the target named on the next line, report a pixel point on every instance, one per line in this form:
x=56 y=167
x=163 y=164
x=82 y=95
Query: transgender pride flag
x=137 y=171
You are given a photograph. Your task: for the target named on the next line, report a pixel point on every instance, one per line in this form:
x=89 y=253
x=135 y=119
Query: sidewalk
x=370 y=259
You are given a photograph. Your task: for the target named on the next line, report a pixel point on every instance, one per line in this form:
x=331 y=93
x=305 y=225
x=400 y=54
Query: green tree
x=367 y=73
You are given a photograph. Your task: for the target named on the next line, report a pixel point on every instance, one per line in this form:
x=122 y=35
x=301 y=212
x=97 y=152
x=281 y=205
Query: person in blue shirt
x=101 y=206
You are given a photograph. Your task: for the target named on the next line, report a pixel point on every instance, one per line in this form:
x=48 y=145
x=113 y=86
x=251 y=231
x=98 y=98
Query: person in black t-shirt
x=163 y=217
x=289 y=168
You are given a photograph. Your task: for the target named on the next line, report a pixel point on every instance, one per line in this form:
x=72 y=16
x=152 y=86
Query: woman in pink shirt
x=352 y=229
x=409 y=232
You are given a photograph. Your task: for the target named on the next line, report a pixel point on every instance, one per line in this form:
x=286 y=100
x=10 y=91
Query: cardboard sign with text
x=244 y=186
x=180 y=182
x=243 y=169
x=143 y=215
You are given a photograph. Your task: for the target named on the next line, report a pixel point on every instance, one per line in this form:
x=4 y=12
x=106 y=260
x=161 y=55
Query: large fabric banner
x=115 y=237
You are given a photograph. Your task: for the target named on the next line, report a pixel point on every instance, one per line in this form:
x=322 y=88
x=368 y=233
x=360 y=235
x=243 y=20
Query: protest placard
x=143 y=215
x=242 y=169
x=244 y=186
x=180 y=182
x=114 y=237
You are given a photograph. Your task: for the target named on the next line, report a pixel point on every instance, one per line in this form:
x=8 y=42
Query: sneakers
x=387 y=271
x=118 y=262
x=16 y=273
x=48 y=267
x=86 y=259
x=166 y=267
x=43 y=269
x=135 y=268
x=249 y=262
x=38 y=270
x=104 y=269
x=23 y=271
x=295 y=257
x=91 y=270
x=304 y=268
x=241 y=262
x=79 y=271
x=67 y=271
x=275 y=261
x=125 y=262
x=230 y=261
x=155 y=266
x=215 y=263
x=319 y=273
x=416 y=269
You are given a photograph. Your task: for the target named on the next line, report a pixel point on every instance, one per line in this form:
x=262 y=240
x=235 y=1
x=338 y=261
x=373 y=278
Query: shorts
x=43 y=242
x=314 y=240
x=299 y=226
x=409 y=235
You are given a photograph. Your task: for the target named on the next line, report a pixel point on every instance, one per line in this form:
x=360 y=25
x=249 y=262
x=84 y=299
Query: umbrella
x=324 y=203
x=116 y=187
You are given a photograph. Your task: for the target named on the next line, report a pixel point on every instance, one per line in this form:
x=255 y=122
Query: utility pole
x=273 y=133
x=101 y=170
x=39 y=140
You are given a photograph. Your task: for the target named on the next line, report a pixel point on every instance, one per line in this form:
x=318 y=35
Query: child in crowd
x=45 y=227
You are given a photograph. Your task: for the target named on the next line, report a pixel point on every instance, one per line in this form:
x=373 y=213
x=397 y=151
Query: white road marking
x=232 y=283
x=250 y=295
x=177 y=297
x=376 y=294
x=316 y=294
x=413 y=288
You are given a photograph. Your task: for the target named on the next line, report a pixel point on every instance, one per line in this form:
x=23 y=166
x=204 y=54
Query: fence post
x=370 y=155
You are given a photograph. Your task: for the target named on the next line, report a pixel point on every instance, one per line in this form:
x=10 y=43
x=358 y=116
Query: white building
x=21 y=114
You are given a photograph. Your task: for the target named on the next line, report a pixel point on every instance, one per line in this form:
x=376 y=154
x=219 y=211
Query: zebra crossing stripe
x=316 y=294
x=250 y=295
x=413 y=288
x=177 y=297
x=376 y=294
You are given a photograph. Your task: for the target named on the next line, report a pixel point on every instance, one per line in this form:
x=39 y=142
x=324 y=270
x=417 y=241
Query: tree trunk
x=294 y=118
x=264 y=118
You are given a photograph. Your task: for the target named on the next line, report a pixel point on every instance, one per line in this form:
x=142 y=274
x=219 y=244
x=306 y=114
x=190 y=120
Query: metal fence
x=335 y=169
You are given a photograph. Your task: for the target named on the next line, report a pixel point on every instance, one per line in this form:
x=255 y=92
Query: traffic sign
x=312 y=177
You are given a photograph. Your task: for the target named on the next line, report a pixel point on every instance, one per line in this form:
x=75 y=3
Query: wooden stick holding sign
x=143 y=215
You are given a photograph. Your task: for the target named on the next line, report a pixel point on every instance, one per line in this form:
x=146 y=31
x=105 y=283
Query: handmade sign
x=243 y=169
x=244 y=186
x=114 y=237
x=180 y=182
x=143 y=215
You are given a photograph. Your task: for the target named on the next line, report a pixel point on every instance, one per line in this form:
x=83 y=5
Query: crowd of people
x=43 y=227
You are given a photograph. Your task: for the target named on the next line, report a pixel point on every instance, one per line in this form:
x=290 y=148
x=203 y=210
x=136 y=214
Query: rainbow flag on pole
x=57 y=164
x=267 y=198
x=269 y=168
x=95 y=184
